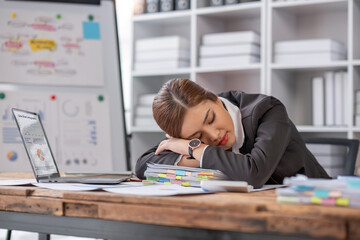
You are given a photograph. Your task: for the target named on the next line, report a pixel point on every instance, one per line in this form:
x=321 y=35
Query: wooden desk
x=212 y=216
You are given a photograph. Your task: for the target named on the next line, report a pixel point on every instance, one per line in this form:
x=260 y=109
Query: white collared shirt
x=235 y=114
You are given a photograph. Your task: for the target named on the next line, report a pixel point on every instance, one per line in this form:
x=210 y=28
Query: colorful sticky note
x=152 y=178
x=316 y=200
x=321 y=193
x=180 y=172
x=342 y=202
x=185 y=184
x=329 y=201
x=353 y=183
x=303 y=188
x=147 y=182
x=171 y=171
x=161 y=179
x=170 y=176
x=91 y=30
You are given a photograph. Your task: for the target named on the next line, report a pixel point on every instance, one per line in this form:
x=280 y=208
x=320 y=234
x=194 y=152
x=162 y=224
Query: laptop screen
x=35 y=141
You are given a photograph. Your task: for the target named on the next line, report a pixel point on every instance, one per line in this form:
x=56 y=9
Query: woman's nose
x=212 y=135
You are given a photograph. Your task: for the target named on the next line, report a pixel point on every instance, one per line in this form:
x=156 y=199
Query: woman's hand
x=177 y=145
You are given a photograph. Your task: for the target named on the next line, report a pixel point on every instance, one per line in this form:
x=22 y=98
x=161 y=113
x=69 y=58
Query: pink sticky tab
x=328 y=201
x=170 y=171
x=170 y=176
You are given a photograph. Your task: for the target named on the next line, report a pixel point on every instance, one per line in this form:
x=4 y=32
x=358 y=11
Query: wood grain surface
x=256 y=212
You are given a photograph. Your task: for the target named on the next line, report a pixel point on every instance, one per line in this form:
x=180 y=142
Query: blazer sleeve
x=271 y=129
x=166 y=157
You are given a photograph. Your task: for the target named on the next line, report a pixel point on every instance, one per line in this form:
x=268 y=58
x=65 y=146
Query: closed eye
x=213 y=119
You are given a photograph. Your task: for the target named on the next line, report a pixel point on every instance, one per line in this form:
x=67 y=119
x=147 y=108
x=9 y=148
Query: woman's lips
x=223 y=140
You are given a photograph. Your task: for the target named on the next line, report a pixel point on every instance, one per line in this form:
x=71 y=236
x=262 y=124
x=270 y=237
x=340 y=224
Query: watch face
x=194 y=143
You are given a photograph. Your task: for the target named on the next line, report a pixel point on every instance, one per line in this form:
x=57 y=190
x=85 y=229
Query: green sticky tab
x=101 y=98
x=58 y=16
x=2 y=95
x=91 y=17
x=152 y=178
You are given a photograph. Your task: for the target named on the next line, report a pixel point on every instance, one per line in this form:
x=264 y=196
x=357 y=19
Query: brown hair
x=172 y=101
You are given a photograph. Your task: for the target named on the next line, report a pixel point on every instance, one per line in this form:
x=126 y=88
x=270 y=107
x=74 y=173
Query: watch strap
x=191 y=153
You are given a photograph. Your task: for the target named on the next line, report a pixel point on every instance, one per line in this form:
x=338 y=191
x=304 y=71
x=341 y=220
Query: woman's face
x=211 y=123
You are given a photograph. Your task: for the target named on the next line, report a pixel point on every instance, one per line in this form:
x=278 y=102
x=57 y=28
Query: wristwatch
x=194 y=143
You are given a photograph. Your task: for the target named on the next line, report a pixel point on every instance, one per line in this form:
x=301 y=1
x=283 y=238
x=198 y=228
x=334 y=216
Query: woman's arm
x=168 y=152
x=166 y=157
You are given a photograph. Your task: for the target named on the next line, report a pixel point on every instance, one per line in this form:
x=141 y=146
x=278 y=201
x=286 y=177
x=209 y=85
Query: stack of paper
x=184 y=176
x=229 y=49
x=344 y=191
x=329 y=98
x=143 y=111
x=308 y=51
x=161 y=53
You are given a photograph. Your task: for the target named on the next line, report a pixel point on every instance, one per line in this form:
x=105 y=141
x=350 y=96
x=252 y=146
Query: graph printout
x=77 y=126
x=50 y=48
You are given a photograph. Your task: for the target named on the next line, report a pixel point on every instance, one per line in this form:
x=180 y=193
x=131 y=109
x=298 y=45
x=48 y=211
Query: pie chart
x=12 y=156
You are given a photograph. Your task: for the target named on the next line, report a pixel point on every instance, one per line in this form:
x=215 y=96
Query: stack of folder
x=161 y=53
x=229 y=49
x=343 y=191
x=143 y=111
x=309 y=51
x=184 y=176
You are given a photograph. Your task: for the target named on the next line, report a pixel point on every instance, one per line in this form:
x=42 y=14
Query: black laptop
x=41 y=157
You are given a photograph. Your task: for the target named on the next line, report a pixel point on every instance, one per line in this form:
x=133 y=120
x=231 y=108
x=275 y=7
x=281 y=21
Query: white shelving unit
x=274 y=21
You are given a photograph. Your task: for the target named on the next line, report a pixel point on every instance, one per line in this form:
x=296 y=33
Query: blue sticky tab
x=321 y=193
x=353 y=184
x=303 y=188
x=91 y=30
x=161 y=179
x=180 y=172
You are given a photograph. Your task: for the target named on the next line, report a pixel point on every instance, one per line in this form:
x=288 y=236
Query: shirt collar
x=235 y=114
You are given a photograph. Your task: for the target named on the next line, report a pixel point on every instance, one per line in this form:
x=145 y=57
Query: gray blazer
x=273 y=148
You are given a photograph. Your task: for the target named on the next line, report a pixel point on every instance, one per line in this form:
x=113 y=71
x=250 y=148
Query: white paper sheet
x=67 y=186
x=156 y=190
x=17 y=182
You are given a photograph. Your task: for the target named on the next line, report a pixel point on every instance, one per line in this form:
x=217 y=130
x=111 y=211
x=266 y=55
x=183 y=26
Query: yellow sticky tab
x=342 y=201
x=316 y=200
x=42 y=44
x=13 y=15
x=185 y=184
x=162 y=175
x=178 y=177
x=167 y=183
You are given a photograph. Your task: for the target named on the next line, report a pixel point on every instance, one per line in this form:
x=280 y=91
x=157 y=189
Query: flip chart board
x=61 y=59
